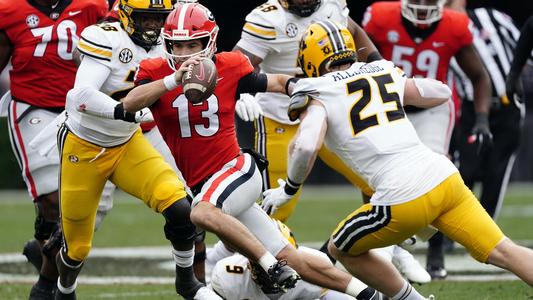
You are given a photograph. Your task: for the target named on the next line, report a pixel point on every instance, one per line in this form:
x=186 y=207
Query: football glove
x=481 y=136
x=142 y=116
x=247 y=108
x=274 y=198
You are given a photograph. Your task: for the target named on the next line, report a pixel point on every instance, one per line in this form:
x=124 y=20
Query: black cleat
x=188 y=287
x=283 y=275
x=32 y=251
x=41 y=293
x=61 y=296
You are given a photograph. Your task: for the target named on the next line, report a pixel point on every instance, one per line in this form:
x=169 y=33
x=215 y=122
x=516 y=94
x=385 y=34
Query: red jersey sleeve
x=144 y=72
x=243 y=63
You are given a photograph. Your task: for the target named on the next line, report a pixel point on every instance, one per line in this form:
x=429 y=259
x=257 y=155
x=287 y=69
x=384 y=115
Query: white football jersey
x=232 y=279
x=273 y=34
x=110 y=45
x=367 y=128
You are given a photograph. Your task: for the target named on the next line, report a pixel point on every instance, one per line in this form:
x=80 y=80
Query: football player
x=236 y=277
x=39 y=37
x=226 y=181
x=421 y=36
x=94 y=150
x=270 y=39
x=357 y=110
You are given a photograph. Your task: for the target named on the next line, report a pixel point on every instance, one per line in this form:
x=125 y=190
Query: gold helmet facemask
x=324 y=45
x=132 y=13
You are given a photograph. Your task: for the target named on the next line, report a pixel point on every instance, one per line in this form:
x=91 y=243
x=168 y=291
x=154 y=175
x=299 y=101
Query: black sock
x=366 y=294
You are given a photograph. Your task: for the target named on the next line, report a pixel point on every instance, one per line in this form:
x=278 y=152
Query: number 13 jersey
x=367 y=128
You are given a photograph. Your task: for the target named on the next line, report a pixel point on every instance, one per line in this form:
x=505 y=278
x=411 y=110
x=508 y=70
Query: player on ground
x=357 y=110
x=421 y=36
x=39 y=37
x=236 y=277
x=225 y=181
x=270 y=39
x=94 y=150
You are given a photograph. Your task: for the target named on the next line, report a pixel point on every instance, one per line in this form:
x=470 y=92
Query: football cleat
x=409 y=266
x=40 y=293
x=283 y=276
x=32 y=251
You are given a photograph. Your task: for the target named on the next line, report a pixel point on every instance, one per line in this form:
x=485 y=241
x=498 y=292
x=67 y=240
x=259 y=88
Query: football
x=199 y=81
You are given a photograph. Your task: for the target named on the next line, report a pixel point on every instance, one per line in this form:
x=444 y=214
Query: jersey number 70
x=360 y=123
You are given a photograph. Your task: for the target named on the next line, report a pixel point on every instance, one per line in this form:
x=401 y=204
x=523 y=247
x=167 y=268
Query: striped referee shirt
x=495 y=37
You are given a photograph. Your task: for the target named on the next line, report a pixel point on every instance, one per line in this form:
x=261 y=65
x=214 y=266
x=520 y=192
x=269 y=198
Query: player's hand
x=274 y=198
x=481 y=136
x=247 y=108
x=186 y=66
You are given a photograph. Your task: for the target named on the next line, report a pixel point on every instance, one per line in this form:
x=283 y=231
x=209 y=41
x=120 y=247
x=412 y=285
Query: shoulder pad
x=263 y=21
x=96 y=43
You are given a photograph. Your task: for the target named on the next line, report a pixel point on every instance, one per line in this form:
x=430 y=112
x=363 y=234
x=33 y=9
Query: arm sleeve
x=254 y=82
x=91 y=74
x=523 y=47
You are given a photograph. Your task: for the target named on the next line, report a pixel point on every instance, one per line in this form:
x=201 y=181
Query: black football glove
x=481 y=136
x=142 y=116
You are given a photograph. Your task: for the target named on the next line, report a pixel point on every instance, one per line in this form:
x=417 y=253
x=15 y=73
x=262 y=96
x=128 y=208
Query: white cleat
x=409 y=266
x=205 y=293
x=431 y=297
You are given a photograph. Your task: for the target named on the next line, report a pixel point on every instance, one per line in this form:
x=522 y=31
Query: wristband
x=170 y=82
x=121 y=114
x=291 y=187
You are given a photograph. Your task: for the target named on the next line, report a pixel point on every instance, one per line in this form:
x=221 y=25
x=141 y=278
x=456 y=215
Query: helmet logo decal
x=326 y=50
x=183 y=33
x=291 y=30
x=125 y=55
x=209 y=15
x=32 y=21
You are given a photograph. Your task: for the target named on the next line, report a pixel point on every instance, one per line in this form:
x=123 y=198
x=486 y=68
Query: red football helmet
x=190 y=21
x=422 y=12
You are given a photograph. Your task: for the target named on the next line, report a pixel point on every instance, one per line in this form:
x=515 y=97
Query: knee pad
x=44 y=228
x=178 y=227
x=54 y=243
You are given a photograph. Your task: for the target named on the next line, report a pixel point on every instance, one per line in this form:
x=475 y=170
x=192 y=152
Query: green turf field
x=131 y=224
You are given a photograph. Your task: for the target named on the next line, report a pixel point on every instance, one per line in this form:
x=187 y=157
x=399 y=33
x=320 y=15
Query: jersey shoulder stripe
x=96 y=43
x=259 y=31
x=94 y=50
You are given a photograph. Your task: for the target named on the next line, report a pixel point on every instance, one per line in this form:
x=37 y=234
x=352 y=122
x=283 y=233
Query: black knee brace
x=54 y=243
x=178 y=227
x=47 y=219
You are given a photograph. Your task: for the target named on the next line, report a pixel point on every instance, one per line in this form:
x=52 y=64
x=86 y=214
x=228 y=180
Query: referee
x=495 y=39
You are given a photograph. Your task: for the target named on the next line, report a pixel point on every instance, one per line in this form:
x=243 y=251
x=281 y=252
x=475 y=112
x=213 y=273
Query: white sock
x=267 y=260
x=66 y=290
x=408 y=292
x=183 y=259
x=218 y=252
x=355 y=287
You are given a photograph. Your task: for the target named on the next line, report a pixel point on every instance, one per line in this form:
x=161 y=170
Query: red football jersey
x=429 y=57
x=201 y=137
x=43 y=70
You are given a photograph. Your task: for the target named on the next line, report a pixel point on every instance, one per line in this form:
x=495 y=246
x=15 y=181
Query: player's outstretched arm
x=146 y=94
x=470 y=62
x=425 y=92
x=276 y=83
x=367 y=51
x=5 y=50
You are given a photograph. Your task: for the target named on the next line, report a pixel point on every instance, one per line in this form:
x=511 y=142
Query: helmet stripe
x=333 y=35
x=181 y=17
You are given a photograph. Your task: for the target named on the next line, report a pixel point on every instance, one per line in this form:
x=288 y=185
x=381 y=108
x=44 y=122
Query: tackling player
x=225 y=181
x=94 y=150
x=357 y=110
x=39 y=37
x=421 y=37
x=270 y=39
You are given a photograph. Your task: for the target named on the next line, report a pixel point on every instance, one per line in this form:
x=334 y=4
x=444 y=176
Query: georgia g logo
x=125 y=55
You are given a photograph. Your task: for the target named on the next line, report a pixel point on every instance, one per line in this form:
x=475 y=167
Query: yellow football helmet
x=286 y=232
x=131 y=14
x=325 y=44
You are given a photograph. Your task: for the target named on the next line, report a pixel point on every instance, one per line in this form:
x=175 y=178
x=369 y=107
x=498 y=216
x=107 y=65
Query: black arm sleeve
x=523 y=47
x=254 y=82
